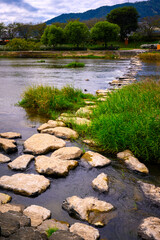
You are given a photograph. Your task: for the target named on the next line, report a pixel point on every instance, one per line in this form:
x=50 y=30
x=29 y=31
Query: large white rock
x=83 y=111
x=151 y=192
x=10 y=135
x=101 y=182
x=102 y=92
x=67 y=153
x=85 y=231
x=25 y=184
x=149 y=229
x=21 y=162
x=10 y=207
x=4 y=198
x=54 y=166
x=7 y=145
x=75 y=120
x=51 y=124
x=62 y=132
x=42 y=143
x=86 y=208
x=95 y=159
x=52 y=223
x=37 y=214
x=132 y=162
x=4 y=159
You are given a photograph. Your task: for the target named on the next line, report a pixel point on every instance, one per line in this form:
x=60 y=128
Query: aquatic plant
x=75 y=65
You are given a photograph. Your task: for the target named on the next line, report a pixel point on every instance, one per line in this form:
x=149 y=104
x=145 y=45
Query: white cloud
x=38 y=10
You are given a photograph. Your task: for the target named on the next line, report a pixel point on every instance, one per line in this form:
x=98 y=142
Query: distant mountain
x=145 y=8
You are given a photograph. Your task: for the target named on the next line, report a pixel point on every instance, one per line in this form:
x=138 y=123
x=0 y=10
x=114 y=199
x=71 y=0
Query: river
x=130 y=205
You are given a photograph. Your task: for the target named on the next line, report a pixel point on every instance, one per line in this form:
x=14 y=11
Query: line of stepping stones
x=51 y=137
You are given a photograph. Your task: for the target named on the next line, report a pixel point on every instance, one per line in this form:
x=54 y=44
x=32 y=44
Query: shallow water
x=130 y=205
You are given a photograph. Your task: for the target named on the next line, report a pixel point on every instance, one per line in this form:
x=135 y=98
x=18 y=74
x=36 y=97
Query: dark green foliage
x=130 y=119
x=76 y=33
x=105 y=32
x=75 y=65
x=18 y=44
x=52 y=36
x=126 y=18
x=50 y=231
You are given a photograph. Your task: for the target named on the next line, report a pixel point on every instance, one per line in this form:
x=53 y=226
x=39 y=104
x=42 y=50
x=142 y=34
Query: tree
x=126 y=18
x=148 y=25
x=2 y=31
x=104 y=32
x=52 y=36
x=76 y=33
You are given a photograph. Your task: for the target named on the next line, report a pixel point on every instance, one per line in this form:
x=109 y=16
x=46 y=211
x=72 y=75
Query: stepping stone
x=27 y=233
x=151 y=192
x=85 y=110
x=21 y=162
x=52 y=223
x=89 y=209
x=103 y=92
x=95 y=159
x=4 y=198
x=42 y=143
x=149 y=229
x=64 y=235
x=132 y=162
x=25 y=184
x=7 y=145
x=75 y=120
x=10 y=135
x=101 y=182
x=62 y=132
x=85 y=231
x=89 y=142
x=51 y=124
x=4 y=159
x=54 y=166
x=67 y=153
x=37 y=214
x=10 y=207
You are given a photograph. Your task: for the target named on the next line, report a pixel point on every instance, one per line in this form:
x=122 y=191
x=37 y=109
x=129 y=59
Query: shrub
x=75 y=65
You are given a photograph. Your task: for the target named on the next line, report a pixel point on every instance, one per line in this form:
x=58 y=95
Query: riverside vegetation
x=129 y=118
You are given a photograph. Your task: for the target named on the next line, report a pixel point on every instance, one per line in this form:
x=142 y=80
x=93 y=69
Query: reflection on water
x=124 y=194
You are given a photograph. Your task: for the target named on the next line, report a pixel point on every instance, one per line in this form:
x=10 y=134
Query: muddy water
x=130 y=205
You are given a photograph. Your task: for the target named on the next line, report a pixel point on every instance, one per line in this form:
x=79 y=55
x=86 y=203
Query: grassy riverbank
x=128 y=119
x=150 y=56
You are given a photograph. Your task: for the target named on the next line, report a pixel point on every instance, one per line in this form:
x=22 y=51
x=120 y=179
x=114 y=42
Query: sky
x=37 y=11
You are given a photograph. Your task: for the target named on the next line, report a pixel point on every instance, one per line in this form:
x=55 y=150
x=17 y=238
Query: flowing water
x=130 y=205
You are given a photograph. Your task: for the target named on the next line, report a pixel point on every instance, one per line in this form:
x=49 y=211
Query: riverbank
x=107 y=54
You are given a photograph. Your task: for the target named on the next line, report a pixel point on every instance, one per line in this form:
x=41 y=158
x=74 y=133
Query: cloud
x=20 y=4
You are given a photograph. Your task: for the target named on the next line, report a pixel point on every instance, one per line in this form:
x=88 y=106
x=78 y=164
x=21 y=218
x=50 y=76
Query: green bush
x=75 y=65
x=130 y=119
x=18 y=44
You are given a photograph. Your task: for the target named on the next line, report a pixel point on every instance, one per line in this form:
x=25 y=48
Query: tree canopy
x=105 y=32
x=52 y=35
x=76 y=32
x=126 y=18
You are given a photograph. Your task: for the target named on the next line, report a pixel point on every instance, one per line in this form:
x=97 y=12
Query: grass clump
x=75 y=65
x=51 y=101
x=50 y=231
x=130 y=119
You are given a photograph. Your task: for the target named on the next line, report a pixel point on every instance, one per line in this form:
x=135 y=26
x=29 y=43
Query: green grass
x=51 y=101
x=130 y=119
x=50 y=231
x=150 y=56
x=75 y=65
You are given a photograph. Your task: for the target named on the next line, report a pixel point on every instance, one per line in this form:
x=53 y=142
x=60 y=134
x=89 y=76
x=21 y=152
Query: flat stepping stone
x=10 y=135
x=102 y=92
x=89 y=142
x=10 y=207
x=25 y=184
x=95 y=159
x=52 y=223
x=37 y=214
x=51 y=124
x=149 y=229
x=7 y=145
x=62 y=132
x=85 y=110
x=4 y=159
x=89 y=209
x=54 y=166
x=4 y=198
x=42 y=143
x=75 y=120
x=85 y=231
x=101 y=182
x=132 y=162
x=151 y=192
x=27 y=233
x=67 y=153
x=21 y=162
x=64 y=235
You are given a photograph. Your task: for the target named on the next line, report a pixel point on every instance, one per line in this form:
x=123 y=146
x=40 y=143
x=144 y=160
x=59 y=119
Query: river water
x=130 y=205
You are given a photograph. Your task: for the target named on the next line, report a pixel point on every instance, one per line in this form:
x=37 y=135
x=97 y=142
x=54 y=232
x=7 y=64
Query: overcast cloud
x=37 y=11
